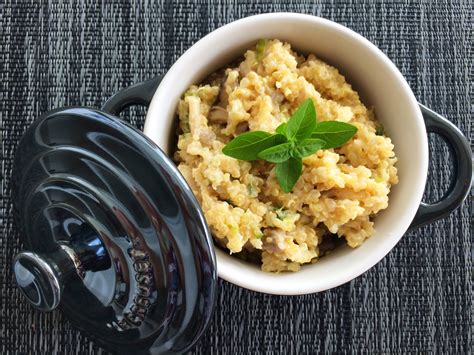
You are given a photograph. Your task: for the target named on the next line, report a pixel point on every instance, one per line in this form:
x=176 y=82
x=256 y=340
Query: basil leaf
x=281 y=129
x=276 y=154
x=299 y=137
x=303 y=121
x=334 y=133
x=307 y=147
x=246 y=146
x=288 y=173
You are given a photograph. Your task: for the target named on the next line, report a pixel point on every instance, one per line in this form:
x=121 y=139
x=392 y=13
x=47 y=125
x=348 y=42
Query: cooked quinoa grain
x=340 y=190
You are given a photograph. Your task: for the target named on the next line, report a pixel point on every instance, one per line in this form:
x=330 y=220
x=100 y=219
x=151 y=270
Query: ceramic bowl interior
x=380 y=85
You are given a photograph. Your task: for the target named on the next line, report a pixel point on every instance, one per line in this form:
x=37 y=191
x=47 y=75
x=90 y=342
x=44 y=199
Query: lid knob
x=41 y=277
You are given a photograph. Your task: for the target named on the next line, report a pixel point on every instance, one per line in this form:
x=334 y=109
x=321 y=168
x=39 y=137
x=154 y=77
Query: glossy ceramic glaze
x=380 y=84
x=114 y=234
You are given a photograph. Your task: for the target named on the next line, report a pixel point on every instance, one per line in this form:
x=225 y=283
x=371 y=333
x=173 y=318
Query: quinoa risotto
x=340 y=190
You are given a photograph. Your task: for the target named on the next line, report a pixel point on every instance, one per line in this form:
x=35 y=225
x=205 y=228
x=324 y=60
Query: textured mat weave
x=417 y=300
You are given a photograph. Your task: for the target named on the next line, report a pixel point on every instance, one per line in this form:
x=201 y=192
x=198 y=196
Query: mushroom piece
x=218 y=114
x=274 y=241
x=223 y=95
x=277 y=97
x=242 y=127
x=207 y=136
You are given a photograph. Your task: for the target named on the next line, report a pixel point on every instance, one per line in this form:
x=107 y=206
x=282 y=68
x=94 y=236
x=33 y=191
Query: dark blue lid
x=113 y=234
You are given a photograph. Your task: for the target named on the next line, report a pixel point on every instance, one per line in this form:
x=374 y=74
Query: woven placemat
x=416 y=300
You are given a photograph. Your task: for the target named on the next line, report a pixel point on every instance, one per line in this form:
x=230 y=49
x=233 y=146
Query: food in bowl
x=249 y=213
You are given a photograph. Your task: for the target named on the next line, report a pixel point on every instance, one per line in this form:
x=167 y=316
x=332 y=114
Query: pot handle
x=462 y=179
x=138 y=94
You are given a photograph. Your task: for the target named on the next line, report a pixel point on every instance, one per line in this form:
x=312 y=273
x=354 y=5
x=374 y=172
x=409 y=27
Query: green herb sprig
x=300 y=137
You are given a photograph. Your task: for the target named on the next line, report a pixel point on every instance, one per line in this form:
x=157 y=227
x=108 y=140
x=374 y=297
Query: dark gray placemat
x=418 y=299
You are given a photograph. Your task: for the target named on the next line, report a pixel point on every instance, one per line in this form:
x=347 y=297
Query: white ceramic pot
x=380 y=84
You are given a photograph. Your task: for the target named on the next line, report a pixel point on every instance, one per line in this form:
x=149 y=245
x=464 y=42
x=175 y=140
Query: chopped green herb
x=379 y=130
x=281 y=213
x=260 y=48
x=259 y=235
x=190 y=93
x=252 y=191
x=185 y=123
x=186 y=128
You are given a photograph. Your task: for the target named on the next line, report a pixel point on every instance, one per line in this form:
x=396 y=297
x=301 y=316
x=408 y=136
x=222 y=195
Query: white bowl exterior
x=380 y=84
